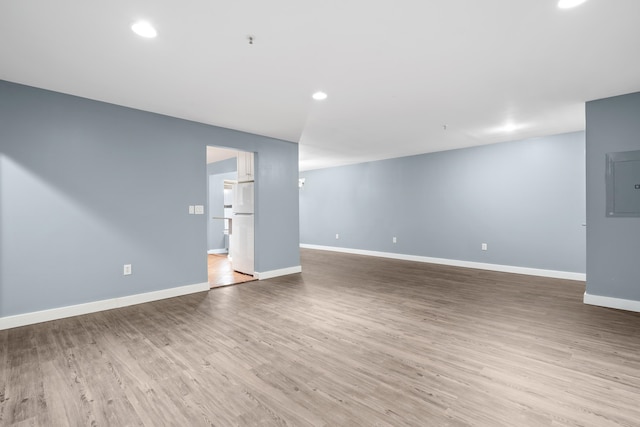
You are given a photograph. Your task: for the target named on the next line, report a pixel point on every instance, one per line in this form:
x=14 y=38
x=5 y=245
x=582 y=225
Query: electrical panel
x=623 y=184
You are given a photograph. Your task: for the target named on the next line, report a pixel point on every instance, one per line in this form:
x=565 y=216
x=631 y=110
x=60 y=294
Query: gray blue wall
x=86 y=187
x=525 y=199
x=613 y=244
x=217 y=173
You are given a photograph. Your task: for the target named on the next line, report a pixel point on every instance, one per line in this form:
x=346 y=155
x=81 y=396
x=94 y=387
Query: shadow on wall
x=42 y=229
x=88 y=187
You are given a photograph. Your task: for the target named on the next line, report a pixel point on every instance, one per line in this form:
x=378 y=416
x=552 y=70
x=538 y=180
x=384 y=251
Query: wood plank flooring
x=221 y=272
x=352 y=341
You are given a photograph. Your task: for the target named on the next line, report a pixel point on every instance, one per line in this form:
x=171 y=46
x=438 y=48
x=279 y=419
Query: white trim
x=277 y=273
x=456 y=263
x=609 y=302
x=95 y=306
x=217 y=251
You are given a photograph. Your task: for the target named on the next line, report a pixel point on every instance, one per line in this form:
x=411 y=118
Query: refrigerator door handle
x=241 y=213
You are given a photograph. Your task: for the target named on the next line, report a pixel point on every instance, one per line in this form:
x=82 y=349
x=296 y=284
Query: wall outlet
x=484 y=246
x=395 y=240
x=127 y=269
x=337 y=236
x=199 y=209
x=192 y=209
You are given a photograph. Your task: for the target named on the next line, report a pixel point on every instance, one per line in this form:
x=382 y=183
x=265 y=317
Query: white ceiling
x=217 y=154
x=396 y=72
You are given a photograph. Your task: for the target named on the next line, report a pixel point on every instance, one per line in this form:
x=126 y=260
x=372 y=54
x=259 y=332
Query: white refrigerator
x=241 y=237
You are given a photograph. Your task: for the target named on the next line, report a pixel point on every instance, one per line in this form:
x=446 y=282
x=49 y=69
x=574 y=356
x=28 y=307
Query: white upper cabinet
x=245 y=167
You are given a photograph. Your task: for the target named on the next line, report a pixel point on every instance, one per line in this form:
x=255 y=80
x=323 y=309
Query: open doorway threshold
x=221 y=273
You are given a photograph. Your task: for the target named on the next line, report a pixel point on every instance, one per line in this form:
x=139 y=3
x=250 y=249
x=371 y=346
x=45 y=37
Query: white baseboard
x=456 y=263
x=95 y=306
x=276 y=273
x=609 y=302
x=217 y=251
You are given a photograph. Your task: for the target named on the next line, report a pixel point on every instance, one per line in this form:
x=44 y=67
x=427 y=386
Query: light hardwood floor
x=351 y=341
x=221 y=272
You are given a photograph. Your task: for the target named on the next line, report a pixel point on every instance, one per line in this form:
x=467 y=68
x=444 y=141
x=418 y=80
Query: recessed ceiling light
x=144 y=29
x=319 y=96
x=508 y=128
x=568 y=4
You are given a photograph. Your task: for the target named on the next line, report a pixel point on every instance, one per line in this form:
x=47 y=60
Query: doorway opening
x=230 y=224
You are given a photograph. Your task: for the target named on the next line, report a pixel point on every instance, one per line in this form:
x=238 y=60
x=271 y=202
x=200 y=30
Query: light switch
x=199 y=210
x=191 y=209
